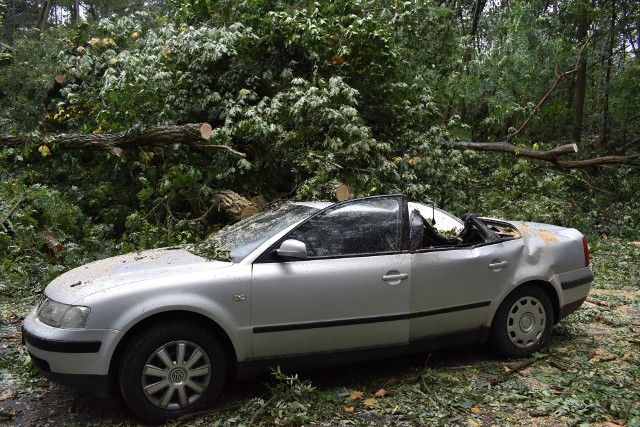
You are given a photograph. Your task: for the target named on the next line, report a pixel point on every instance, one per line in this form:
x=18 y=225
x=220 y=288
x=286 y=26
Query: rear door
x=351 y=292
x=452 y=288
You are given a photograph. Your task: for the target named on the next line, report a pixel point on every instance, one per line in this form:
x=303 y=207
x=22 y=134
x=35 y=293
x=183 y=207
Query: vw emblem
x=177 y=375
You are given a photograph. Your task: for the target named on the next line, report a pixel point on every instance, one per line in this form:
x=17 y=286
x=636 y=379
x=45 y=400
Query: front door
x=351 y=292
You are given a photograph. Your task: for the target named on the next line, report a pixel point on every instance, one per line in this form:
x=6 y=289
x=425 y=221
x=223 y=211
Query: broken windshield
x=236 y=241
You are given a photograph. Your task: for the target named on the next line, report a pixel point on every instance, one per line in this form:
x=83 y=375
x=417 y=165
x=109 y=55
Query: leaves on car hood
x=126 y=269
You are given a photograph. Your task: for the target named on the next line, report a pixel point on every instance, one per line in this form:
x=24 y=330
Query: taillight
x=585 y=247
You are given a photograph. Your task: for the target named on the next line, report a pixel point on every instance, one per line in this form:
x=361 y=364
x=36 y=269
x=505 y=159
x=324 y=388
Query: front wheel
x=171 y=369
x=522 y=323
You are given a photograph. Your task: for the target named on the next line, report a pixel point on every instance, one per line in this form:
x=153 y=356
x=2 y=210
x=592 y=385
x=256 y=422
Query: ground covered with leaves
x=588 y=375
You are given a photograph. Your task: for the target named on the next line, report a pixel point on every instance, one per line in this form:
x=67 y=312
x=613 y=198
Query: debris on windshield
x=210 y=249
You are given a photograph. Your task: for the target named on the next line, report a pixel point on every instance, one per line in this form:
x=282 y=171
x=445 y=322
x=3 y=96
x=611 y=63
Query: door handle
x=395 y=279
x=497 y=265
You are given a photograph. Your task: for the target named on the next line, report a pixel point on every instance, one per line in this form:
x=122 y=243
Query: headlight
x=63 y=316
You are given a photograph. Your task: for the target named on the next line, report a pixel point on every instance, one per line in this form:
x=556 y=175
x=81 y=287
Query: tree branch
x=115 y=143
x=506 y=147
x=600 y=161
x=546 y=97
x=547 y=155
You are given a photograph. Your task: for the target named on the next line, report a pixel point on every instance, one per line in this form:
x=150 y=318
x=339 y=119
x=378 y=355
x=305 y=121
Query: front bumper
x=77 y=358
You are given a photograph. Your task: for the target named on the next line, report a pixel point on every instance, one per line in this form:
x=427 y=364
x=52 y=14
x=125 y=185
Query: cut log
x=53 y=243
x=336 y=191
x=58 y=82
x=233 y=204
x=341 y=192
x=260 y=202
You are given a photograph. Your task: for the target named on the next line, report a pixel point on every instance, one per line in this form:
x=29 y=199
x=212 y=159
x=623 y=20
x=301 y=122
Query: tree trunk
x=44 y=15
x=605 y=126
x=478 y=7
x=581 y=77
x=75 y=10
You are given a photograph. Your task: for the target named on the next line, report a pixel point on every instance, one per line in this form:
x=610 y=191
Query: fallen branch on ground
x=512 y=371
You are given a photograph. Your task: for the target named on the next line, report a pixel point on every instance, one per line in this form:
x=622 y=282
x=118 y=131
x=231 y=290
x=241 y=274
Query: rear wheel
x=523 y=322
x=171 y=369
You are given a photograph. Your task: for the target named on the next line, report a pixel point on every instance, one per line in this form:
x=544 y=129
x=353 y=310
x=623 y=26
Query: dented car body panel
x=366 y=277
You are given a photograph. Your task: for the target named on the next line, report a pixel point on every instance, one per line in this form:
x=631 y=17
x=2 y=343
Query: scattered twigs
x=6 y=216
x=599 y=303
x=223 y=147
x=14 y=318
x=559 y=366
x=7 y=414
x=261 y=410
x=425 y=388
x=512 y=371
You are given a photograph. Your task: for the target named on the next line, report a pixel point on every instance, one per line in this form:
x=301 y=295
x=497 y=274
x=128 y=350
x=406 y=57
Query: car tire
x=523 y=322
x=171 y=369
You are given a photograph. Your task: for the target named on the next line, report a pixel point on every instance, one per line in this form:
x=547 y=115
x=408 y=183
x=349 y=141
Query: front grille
x=41 y=364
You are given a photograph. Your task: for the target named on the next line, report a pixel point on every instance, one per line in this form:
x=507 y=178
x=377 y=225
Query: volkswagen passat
x=303 y=285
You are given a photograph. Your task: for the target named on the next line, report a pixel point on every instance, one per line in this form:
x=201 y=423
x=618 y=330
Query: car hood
x=127 y=269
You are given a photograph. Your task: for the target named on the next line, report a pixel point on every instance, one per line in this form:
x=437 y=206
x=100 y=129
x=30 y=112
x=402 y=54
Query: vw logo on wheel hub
x=178 y=375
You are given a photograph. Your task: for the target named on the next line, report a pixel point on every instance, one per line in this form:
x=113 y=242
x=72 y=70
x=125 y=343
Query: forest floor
x=589 y=374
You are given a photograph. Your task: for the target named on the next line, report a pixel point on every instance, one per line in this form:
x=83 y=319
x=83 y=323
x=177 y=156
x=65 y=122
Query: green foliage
x=24 y=83
x=355 y=91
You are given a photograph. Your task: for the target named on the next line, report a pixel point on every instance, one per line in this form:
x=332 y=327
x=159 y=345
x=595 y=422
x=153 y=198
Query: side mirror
x=292 y=249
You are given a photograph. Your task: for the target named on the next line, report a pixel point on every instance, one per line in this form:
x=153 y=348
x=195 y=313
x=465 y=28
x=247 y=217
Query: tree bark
x=478 y=7
x=189 y=134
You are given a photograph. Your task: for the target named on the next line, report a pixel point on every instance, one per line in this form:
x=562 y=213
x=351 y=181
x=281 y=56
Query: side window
x=354 y=228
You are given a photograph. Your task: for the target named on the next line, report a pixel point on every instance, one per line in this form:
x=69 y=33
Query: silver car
x=303 y=285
